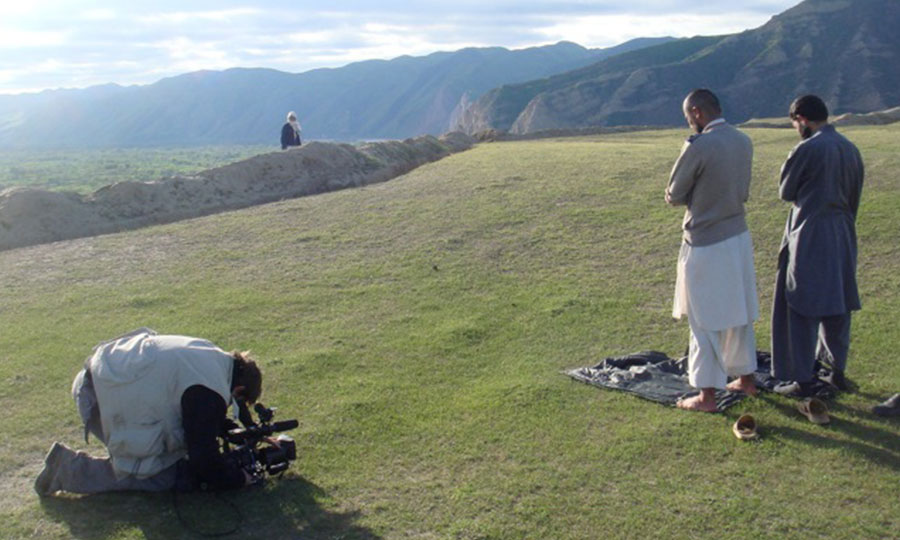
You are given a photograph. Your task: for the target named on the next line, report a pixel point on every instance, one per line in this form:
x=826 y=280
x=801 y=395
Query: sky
x=48 y=44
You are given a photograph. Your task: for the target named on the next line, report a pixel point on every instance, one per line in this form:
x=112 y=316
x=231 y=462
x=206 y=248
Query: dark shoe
x=797 y=389
x=890 y=407
x=786 y=388
x=836 y=379
x=44 y=483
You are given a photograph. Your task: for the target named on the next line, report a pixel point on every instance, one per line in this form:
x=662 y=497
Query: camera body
x=251 y=447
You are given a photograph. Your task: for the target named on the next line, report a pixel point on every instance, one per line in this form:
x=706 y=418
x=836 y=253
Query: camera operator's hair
x=810 y=107
x=705 y=100
x=246 y=373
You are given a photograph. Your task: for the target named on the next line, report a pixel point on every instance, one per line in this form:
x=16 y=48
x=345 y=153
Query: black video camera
x=250 y=449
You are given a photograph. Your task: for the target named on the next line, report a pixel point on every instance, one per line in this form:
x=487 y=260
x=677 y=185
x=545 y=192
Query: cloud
x=98 y=15
x=606 y=30
x=11 y=38
x=102 y=41
x=192 y=17
x=185 y=54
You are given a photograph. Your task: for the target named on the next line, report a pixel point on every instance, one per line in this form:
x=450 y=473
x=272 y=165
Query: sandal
x=745 y=428
x=814 y=409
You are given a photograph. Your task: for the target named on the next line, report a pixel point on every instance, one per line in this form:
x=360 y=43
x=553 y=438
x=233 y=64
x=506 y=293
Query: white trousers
x=716 y=289
x=715 y=355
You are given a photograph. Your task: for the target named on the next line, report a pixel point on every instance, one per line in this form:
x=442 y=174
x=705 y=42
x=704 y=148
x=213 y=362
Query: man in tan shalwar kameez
x=716 y=282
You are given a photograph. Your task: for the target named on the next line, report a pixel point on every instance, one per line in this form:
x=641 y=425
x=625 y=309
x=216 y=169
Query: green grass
x=417 y=330
x=85 y=171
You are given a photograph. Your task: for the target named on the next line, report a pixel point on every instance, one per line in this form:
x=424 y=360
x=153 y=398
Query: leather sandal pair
x=745 y=428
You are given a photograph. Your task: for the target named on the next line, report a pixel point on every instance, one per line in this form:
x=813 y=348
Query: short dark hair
x=246 y=373
x=810 y=107
x=705 y=100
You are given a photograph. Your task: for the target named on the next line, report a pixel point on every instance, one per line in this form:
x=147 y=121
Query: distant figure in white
x=716 y=282
x=290 y=131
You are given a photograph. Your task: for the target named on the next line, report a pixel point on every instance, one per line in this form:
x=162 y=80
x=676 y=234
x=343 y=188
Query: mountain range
x=848 y=52
x=377 y=99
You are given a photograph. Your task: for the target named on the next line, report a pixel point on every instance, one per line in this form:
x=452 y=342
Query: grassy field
x=417 y=329
x=85 y=171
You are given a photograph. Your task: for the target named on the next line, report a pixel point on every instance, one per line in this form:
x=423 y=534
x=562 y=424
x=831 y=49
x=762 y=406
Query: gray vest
x=138 y=380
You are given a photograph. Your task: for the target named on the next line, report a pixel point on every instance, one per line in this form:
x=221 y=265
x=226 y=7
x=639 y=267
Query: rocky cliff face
x=847 y=52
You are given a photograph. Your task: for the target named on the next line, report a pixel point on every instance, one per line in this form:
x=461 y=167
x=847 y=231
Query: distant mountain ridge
x=376 y=99
x=845 y=51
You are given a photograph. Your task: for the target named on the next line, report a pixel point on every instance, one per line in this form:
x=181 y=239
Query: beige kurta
x=717 y=284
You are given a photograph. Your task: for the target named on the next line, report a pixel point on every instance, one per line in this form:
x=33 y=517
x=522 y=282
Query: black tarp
x=653 y=375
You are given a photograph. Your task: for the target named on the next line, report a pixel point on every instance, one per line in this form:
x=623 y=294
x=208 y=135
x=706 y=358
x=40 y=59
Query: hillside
x=417 y=329
x=847 y=52
x=378 y=99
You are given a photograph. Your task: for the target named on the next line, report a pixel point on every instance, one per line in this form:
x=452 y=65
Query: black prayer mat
x=653 y=375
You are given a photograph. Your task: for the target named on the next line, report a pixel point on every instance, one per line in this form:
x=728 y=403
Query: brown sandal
x=745 y=428
x=814 y=409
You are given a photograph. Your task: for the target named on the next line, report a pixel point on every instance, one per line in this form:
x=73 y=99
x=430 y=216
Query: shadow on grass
x=875 y=399
x=872 y=443
x=288 y=508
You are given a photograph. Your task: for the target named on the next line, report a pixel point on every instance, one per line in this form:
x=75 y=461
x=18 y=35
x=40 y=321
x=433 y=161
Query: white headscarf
x=292 y=120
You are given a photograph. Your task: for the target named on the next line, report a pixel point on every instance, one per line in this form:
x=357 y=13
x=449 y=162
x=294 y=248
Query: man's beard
x=807 y=132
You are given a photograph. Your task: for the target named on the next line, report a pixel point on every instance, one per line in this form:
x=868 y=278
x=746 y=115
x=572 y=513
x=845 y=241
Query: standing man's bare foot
x=705 y=402
x=745 y=384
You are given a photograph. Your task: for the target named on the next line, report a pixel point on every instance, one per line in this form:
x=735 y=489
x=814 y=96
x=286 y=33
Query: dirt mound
x=878 y=118
x=772 y=123
x=494 y=135
x=31 y=216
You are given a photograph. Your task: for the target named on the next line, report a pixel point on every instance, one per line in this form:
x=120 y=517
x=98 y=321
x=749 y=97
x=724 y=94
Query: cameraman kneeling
x=154 y=400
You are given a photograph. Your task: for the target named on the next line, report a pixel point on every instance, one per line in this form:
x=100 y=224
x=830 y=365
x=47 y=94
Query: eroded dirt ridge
x=34 y=216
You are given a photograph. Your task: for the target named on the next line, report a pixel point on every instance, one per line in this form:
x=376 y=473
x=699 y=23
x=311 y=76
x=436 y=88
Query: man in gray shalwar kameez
x=815 y=288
